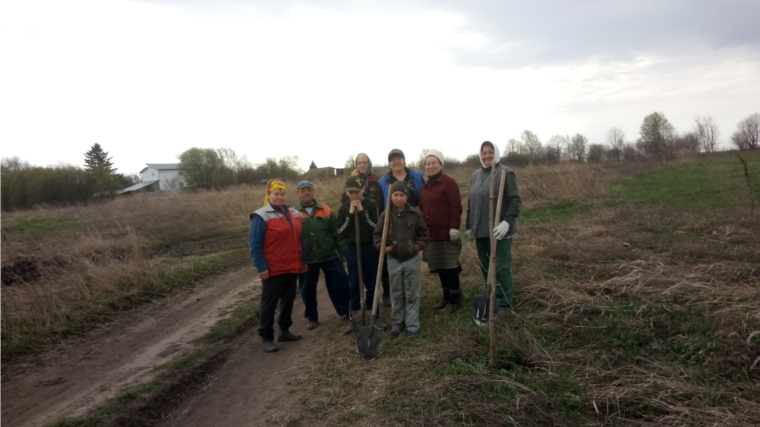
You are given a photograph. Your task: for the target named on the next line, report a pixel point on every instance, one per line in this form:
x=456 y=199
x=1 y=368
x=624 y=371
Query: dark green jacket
x=320 y=234
x=405 y=229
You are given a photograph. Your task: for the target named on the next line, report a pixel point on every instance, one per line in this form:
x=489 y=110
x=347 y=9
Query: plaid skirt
x=442 y=255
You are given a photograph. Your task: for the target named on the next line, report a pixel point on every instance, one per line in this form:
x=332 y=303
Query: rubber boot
x=444 y=301
x=453 y=305
x=270 y=346
x=288 y=336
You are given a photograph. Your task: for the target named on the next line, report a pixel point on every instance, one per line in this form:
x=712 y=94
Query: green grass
x=708 y=184
x=228 y=326
x=556 y=212
x=38 y=224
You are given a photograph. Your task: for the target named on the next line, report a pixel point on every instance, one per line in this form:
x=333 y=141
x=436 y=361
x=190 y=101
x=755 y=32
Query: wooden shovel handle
x=492 y=299
x=379 y=279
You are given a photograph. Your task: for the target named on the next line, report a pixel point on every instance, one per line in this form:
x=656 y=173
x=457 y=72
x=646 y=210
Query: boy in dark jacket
x=407 y=235
x=369 y=255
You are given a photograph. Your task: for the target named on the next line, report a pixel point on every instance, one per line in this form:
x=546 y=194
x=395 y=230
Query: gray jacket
x=477 y=205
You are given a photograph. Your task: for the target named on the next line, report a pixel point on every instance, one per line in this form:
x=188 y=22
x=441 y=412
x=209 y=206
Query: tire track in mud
x=88 y=372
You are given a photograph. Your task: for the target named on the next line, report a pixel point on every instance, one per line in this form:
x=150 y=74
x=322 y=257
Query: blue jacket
x=385 y=183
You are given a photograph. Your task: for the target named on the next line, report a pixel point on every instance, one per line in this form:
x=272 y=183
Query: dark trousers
x=336 y=281
x=370 y=258
x=280 y=288
x=450 y=283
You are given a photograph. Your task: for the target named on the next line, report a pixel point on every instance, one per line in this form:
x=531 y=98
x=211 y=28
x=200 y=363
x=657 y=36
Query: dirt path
x=74 y=380
x=252 y=385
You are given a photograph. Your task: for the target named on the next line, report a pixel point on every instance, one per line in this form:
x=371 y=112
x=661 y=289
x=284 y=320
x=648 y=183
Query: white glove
x=454 y=235
x=468 y=234
x=501 y=230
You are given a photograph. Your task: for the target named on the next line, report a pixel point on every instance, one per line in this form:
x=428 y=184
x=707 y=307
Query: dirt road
x=86 y=373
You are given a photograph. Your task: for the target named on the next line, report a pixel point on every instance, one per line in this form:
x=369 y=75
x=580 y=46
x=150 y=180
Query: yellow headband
x=273 y=184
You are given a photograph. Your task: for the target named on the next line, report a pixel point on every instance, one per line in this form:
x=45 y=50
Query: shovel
x=357 y=317
x=369 y=338
x=484 y=305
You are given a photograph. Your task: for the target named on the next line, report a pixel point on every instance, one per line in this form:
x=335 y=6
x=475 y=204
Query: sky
x=327 y=79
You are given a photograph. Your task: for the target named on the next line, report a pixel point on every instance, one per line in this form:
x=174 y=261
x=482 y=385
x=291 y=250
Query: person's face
x=277 y=198
x=399 y=199
x=486 y=155
x=362 y=164
x=306 y=196
x=355 y=195
x=432 y=165
x=397 y=163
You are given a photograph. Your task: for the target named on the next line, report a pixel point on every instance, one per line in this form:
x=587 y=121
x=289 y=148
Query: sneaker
x=450 y=308
x=344 y=317
x=270 y=346
x=288 y=336
x=393 y=333
x=312 y=325
x=348 y=330
x=440 y=305
x=412 y=333
x=387 y=300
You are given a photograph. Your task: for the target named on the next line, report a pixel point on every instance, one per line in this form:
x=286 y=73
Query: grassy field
x=638 y=303
x=68 y=269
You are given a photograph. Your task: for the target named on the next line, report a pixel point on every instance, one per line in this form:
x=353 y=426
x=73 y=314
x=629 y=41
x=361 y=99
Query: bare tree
x=616 y=140
x=687 y=143
x=595 y=153
x=747 y=135
x=576 y=149
x=171 y=183
x=708 y=132
x=532 y=144
x=555 y=145
x=513 y=146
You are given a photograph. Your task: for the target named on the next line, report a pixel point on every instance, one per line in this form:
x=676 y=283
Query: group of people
x=291 y=245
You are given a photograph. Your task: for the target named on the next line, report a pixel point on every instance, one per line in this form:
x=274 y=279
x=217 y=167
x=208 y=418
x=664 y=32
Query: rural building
x=158 y=176
x=326 y=172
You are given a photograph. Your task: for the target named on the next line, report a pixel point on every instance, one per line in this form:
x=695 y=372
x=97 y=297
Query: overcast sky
x=325 y=79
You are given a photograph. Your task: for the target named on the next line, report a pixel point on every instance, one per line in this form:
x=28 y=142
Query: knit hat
x=400 y=186
x=353 y=184
x=396 y=152
x=273 y=184
x=304 y=183
x=435 y=153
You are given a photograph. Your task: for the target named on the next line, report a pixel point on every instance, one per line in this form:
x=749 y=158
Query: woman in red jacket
x=441 y=206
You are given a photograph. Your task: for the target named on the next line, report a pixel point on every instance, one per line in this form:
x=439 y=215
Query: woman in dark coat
x=441 y=206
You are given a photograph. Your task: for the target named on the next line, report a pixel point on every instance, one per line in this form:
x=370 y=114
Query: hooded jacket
x=478 y=198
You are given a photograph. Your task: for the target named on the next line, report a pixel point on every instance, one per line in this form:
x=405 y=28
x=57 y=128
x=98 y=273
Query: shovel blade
x=369 y=341
x=357 y=319
x=480 y=309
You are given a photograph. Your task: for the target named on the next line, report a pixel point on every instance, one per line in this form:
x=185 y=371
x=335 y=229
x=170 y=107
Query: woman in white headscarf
x=478 y=228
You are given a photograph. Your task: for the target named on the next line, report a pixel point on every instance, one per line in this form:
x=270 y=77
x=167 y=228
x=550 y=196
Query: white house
x=158 y=176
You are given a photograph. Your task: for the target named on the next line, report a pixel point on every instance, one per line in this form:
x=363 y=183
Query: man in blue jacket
x=413 y=179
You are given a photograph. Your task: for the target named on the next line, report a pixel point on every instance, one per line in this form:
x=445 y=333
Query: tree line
x=657 y=140
x=25 y=186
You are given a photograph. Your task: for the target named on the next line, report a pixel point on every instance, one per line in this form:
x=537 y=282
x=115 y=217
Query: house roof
x=161 y=166
x=137 y=186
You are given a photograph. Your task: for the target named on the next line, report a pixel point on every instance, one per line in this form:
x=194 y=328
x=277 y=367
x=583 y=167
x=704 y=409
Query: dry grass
x=629 y=313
